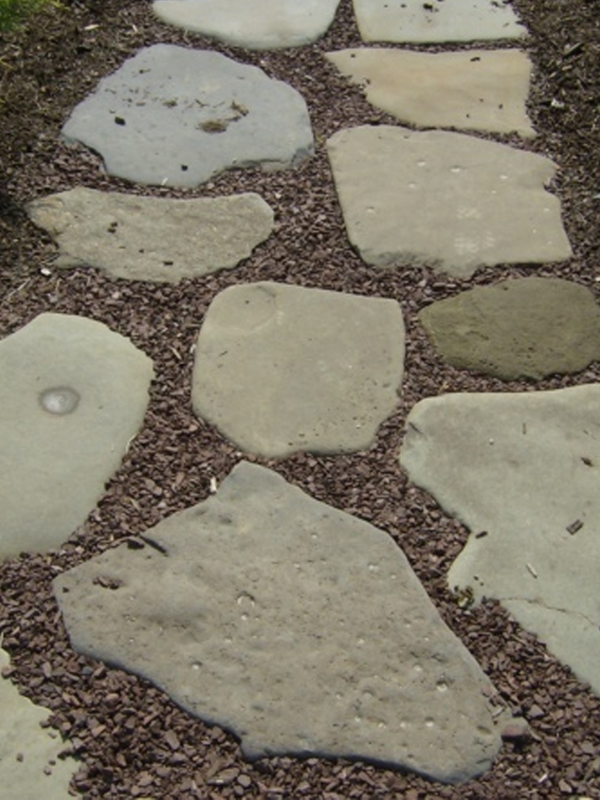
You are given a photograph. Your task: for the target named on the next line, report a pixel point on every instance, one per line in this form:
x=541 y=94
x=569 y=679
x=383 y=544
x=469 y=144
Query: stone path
x=299 y=627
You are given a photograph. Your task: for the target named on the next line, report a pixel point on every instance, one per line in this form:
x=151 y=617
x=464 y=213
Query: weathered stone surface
x=282 y=368
x=261 y=25
x=150 y=238
x=523 y=468
x=299 y=627
x=445 y=200
x=522 y=328
x=174 y=117
x=29 y=764
x=438 y=21
x=481 y=90
x=72 y=395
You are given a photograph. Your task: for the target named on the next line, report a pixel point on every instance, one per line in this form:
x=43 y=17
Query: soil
x=131 y=740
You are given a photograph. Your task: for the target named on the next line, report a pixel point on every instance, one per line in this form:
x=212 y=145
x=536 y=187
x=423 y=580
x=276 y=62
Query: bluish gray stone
x=172 y=116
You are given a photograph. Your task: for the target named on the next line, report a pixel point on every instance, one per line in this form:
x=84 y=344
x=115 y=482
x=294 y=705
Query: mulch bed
x=132 y=741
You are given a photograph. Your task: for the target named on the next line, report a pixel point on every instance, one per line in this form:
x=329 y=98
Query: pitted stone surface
x=282 y=368
x=72 y=396
x=297 y=626
x=150 y=238
x=481 y=90
x=261 y=25
x=522 y=328
x=172 y=116
x=438 y=21
x=521 y=472
x=29 y=764
x=445 y=200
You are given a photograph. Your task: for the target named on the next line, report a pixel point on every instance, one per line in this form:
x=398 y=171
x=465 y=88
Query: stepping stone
x=73 y=396
x=260 y=25
x=523 y=328
x=483 y=90
x=438 y=21
x=297 y=626
x=29 y=755
x=173 y=116
x=282 y=368
x=149 y=238
x=521 y=472
x=444 y=200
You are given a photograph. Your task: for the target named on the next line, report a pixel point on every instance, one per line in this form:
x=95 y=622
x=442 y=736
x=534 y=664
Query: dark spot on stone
x=120 y=121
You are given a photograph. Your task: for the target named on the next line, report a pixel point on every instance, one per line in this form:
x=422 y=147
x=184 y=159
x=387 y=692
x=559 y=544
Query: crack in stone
x=569 y=612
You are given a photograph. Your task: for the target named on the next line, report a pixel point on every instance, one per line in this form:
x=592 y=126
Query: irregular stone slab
x=150 y=238
x=260 y=25
x=176 y=117
x=438 y=21
x=29 y=762
x=521 y=472
x=482 y=90
x=281 y=368
x=299 y=627
x=522 y=328
x=445 y=200
x=72 y=397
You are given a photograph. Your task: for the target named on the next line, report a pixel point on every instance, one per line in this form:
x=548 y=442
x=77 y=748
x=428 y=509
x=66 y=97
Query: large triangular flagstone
x=438 y=21
x=72 y=396
x=521 y=328
x=151 y=238
x=30 y=766
x=445 y=200
x=300 y=628
x=521 y=471
x=261 y=24
x=174 y=116
x=281 y=368
x=481 y=90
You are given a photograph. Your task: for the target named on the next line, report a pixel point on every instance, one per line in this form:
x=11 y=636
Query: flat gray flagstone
x=281 y=368
x=173 y=116
x=521 y=328
x=444 y=200
x=482 y=90
x=437 y=21
x=72 y=396
x=300 y=628
x=150 y=238
x=30 y=766
x=521 y=472
x=261 y=24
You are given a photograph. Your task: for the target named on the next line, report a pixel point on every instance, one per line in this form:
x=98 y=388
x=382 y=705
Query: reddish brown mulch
x=132 y=741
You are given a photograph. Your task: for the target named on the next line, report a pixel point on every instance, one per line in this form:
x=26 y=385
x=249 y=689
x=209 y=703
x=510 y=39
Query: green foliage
x=13 y=12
